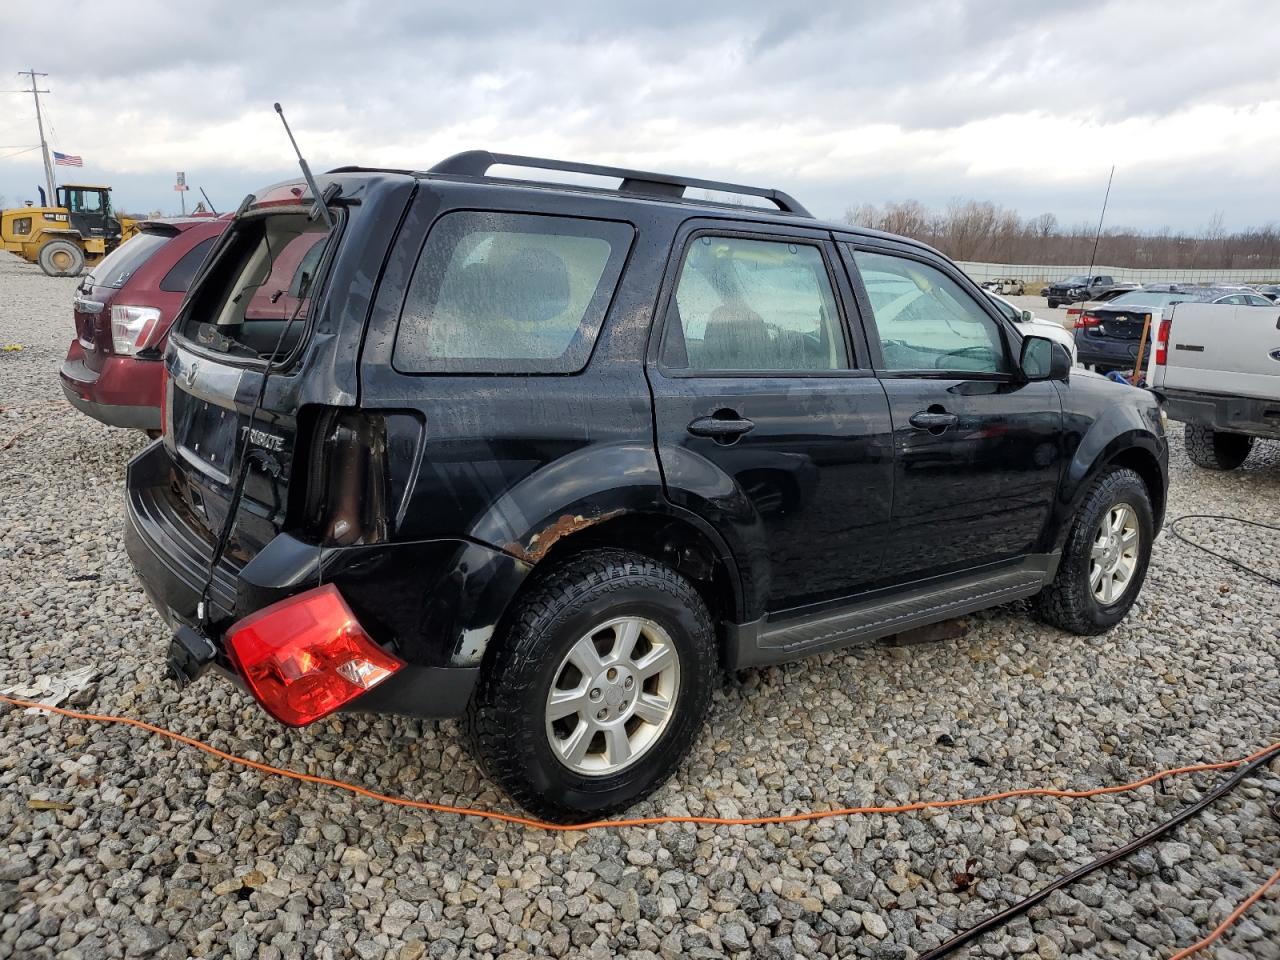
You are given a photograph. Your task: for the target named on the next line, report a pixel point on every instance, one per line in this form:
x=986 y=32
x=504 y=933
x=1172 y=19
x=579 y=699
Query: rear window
x=257 y=297
x=127 y=259
x=509 y=293
x=183 y=272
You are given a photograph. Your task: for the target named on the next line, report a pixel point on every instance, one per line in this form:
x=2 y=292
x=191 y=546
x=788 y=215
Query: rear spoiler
x=162 y=227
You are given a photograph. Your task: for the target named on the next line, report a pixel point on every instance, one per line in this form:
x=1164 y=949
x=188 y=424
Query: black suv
x=551 y=457
x=1079 y=288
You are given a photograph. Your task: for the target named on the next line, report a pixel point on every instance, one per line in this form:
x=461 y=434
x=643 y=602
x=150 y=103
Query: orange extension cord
x=811 y=815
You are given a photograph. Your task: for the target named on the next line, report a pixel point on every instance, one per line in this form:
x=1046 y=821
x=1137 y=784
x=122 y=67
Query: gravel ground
x=117 y=843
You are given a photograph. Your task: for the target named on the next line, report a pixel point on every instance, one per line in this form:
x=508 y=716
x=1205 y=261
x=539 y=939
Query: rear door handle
x=721 y=427
x=926 y=420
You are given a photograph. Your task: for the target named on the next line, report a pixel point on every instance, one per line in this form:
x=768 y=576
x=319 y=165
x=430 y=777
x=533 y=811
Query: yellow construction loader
x=81 y=229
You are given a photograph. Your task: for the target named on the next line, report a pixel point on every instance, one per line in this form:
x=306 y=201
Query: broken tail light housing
x=307 y=655
x=1162 y=342
x=347 y=484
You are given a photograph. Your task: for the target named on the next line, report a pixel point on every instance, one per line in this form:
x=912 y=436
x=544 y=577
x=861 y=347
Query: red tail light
x=306 y=656
x=1088 y=320
x=1162 y=342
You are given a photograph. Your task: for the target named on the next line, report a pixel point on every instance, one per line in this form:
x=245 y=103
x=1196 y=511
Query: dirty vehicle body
x=123 y=309
x=1217 y=367
x=81 y=228
x=1108 y=337
x=1075 y=289
x=552 y=456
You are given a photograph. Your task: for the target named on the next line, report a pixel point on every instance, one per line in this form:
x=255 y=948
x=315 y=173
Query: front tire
x=1104 y=561
x=61 y=258
x=1053 y=304
x=597 y=689
x=1215 y=449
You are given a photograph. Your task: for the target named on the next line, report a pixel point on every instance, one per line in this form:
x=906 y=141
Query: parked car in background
x=1009 y=286
x=1074 y=311
x=1108 y=336
x=123 y=309
x=1030 y=324
x=1217 y=368
x=532 y=436
x=1077 y=288
x=1269 y=290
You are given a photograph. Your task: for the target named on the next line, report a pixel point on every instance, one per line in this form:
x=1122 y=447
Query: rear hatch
x=97 y=291
x=255 y=305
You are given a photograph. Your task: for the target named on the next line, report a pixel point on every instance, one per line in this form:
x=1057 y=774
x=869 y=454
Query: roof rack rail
x=476 y=163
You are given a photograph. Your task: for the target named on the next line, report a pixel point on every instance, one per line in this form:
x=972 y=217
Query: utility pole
x=51 y=200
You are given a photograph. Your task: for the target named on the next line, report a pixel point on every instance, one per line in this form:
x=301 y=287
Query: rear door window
x=509 y=293
x=183 y=272
x=746 y=304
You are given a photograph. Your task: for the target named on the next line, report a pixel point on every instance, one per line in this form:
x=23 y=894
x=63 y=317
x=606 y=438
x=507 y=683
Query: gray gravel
x=115 y=843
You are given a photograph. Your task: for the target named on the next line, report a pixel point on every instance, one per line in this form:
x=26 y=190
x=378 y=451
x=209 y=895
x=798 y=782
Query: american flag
x=67 y=159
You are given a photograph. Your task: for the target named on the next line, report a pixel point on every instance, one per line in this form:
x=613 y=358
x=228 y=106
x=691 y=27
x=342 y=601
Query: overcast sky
x=1026 y=104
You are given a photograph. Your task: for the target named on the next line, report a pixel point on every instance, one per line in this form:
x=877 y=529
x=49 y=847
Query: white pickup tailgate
x=1220 y=348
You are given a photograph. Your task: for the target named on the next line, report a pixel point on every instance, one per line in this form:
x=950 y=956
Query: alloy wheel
x=613 y=695
x=1113 y=559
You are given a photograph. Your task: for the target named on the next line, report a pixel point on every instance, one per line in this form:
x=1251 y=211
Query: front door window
x=925 y=321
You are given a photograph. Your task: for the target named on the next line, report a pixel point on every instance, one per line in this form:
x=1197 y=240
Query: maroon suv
x=123 y=310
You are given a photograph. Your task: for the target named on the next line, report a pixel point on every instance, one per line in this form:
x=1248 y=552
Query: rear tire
x=513 y=725
x=1077 y=600
x=1216 y=449
x=61 y=258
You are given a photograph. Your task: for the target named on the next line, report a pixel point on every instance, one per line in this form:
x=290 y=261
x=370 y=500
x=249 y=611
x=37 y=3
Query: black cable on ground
x=1022 y=906
x=1173 y=529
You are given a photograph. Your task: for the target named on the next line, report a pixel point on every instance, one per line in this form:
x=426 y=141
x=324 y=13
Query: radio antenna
x=306 y=173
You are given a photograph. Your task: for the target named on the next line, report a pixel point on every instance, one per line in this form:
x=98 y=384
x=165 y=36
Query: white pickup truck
x=1217 y=368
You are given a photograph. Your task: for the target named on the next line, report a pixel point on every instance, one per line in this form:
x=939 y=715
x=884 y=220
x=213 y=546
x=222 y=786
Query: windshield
x=1075 y=281
x=257 y=299
x=127 y=259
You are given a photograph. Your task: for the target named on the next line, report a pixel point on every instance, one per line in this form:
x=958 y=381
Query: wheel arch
x=1137 y=449
x=609 y=495
x=683 y=542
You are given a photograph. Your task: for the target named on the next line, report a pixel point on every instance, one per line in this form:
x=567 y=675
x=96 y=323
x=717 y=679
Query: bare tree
x=982 y=230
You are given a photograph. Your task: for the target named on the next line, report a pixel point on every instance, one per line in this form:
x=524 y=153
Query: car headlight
x=132 y=328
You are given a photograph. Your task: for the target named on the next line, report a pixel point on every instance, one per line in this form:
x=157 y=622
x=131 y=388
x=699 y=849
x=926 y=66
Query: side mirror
x=1026 y=317
x=1044 y=359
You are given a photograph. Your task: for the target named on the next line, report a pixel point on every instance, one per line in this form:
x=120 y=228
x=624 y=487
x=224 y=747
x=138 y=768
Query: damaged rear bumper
x=436 y=603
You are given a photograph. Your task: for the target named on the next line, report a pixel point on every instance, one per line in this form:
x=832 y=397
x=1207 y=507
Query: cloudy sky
x=1023 y=103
